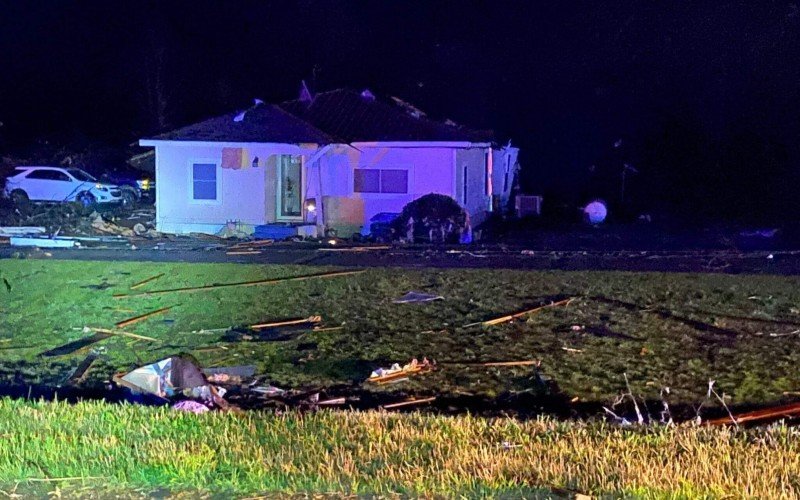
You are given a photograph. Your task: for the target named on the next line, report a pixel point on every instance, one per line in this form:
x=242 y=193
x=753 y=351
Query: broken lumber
x=526 y=362
x=82 y=369
x=215 y=286
x=106 y=331
x=310 y=319
x=244 y=252
x=251 y=244
x=511 y=317
x=141 y=317
x=763 y=415
x=144 y=282
x=332 y=402
x=409 y=403
x=355 y=249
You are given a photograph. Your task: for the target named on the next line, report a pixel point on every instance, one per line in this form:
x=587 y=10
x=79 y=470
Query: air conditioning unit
x=526 y=205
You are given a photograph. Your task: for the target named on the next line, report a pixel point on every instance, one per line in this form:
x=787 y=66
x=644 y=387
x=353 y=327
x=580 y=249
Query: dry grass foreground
x=97 y=447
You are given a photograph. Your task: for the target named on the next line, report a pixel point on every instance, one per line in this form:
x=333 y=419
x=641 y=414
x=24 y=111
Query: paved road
x=709 y=261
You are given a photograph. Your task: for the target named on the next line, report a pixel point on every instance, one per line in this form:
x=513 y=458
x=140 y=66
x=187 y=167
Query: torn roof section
x=261 y=123
x=337 y=117
x=351 y=116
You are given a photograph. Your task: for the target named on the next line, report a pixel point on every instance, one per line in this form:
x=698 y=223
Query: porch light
x=311 y=205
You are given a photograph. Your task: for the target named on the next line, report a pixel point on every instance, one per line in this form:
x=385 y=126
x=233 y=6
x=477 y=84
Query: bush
x=434 y=217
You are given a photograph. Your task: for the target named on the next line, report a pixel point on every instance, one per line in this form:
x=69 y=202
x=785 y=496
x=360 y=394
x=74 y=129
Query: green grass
x=131 y=450
x=49 y=304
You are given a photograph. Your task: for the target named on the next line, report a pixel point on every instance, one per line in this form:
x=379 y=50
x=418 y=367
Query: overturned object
x=396 y=373
x=166 y=378
x=412 y=297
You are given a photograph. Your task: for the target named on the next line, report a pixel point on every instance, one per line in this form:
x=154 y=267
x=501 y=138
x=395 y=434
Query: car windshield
x=80 y=174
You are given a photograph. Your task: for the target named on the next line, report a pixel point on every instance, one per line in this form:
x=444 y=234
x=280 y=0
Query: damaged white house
x=328 y=162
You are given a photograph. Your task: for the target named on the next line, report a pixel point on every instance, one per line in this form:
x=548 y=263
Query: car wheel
x=86 y=199
x=128 y=199
x=19 y=198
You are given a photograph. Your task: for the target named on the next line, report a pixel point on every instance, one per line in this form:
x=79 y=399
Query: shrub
x=434 y=217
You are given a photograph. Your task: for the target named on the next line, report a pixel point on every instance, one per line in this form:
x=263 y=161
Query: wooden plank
x=106 y=331
x=511 y=317
x=310 y=319
x=144 y=282
x=409 y=403
x=763 y=415
x=270 y=281
x=141 y=317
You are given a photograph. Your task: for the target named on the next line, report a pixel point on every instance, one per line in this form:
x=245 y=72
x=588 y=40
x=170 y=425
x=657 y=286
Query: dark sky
x=685 y=84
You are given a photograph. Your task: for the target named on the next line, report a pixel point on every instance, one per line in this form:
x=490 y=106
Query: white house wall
x=430 y=170
x=477 y=198
x=242 y=193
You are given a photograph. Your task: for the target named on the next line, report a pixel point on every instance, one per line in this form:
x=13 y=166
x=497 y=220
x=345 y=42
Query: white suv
x=59 y=185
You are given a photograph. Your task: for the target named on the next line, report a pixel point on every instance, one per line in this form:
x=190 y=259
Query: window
x=394 y=181
x=204 y=181
x=48 y=175
x=81 y=175
x=367 y=181
x=373 y=180
x=465 y=185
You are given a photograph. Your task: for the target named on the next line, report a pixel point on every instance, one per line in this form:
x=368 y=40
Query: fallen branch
x=511 y=317
x=141 y=317
x=409 y=403
x=270 y=281
x=144 y=282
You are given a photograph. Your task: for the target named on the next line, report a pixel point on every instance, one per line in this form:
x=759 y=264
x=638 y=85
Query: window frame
x=381 y=192
x=218 y=181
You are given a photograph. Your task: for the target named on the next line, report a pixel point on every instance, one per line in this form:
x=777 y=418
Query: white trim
x=314 y=145
x=304 y=147
x=422 y=144
x=218 y=171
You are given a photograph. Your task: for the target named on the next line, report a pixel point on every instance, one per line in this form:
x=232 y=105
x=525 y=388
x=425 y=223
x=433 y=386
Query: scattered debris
x=408 y=402
x=302 y=321
x=763 y=415
x=412 y=297
x=570 y=349
x=146 y=281
x=269 y=390
x=82 y=369
x=249 y=245
x=229 y=374
x=21 y=230
x=100 y=224
x=106 y=331
x=397 y=373
x=190 y=406
x=244 y=252
x=141 y=317
x=355 y=249
x=24 y=241
x=270 y=281
x=511 y=317
x=331 y=402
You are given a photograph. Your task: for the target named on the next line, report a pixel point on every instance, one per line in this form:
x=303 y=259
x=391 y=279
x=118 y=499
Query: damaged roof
x=350 y=116
x=261 y=123
x=339 y=116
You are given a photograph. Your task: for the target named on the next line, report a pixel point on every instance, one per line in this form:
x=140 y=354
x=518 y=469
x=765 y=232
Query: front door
x=290 y=188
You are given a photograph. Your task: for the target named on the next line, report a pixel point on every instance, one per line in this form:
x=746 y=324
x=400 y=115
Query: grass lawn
x=97 y=449
x=696 y=337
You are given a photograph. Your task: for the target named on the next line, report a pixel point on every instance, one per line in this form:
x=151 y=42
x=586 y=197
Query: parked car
x=58 y=184
x=136 y=185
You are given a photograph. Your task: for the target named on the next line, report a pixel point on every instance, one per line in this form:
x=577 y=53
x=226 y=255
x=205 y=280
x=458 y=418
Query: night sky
x=705 y=96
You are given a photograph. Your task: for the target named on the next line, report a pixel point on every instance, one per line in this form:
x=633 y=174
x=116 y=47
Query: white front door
x=290 y=188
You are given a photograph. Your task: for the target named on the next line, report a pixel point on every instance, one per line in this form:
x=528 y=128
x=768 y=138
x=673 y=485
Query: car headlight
x=143 y=184
x=100 y=187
